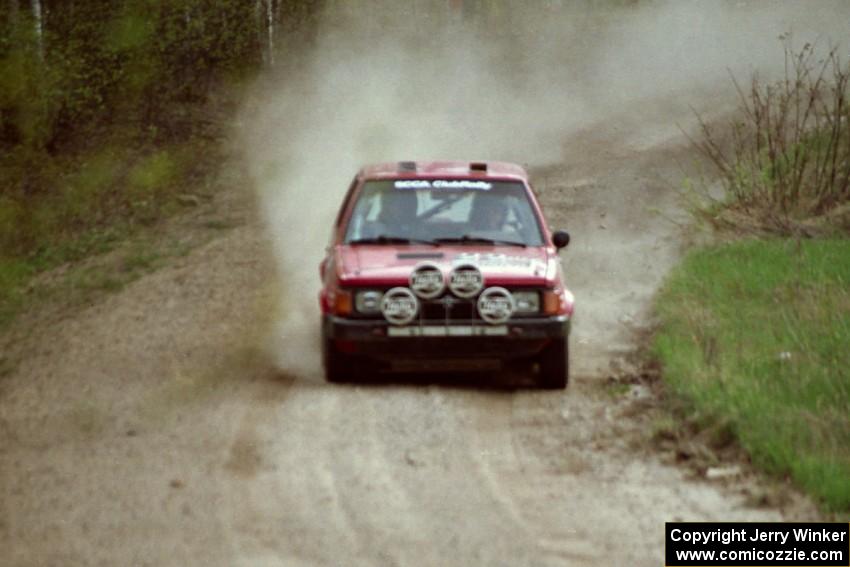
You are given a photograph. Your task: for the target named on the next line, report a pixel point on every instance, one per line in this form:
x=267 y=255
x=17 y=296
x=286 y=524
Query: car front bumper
x=443 y=343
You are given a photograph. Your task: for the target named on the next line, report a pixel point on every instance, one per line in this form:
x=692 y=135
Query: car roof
x=463 y=169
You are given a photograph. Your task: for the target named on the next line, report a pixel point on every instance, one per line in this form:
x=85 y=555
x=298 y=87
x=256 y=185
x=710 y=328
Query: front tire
x=338 y=366
x=555 y=365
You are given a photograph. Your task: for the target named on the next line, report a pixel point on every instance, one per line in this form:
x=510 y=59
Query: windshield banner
x=442 y=184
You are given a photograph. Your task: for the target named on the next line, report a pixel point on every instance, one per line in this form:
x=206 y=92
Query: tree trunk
x=39 y=27
x=261 y=27
x=270 y=23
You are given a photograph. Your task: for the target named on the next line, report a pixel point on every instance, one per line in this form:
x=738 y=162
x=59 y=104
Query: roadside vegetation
x=784 y=158
x=113 y=117
x=754 y=331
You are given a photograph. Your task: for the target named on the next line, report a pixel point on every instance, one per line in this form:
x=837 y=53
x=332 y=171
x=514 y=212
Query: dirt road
x=149 y=428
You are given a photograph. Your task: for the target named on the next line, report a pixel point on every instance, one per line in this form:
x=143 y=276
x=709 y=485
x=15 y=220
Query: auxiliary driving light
x=399 y=306
x=496 y=305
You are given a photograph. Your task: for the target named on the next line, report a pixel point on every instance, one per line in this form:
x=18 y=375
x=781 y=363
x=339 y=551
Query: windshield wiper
x=387 y=239
x=468 y=238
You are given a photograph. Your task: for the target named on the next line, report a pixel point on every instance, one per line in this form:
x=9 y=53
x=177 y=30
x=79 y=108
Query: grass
x=755 y=335
x=94 y=202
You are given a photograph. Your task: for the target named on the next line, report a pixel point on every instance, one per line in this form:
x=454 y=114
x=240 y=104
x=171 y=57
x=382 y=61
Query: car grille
x=449 y=310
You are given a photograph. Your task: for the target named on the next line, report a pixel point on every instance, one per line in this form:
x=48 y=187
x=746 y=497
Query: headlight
x=368 y=302
x=527 y=302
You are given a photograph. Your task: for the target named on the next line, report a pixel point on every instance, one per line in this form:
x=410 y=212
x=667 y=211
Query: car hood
x=383 y=265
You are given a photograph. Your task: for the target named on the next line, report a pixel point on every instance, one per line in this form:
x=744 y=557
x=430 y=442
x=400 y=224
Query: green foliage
x=117 y=61
x=756 y=334
x=107 y=113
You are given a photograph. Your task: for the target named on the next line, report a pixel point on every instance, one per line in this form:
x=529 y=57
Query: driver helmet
x=488 y=213
x=398 y=207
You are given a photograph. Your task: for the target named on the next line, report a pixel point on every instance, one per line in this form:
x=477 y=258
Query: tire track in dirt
x=150 y=417
x=437 y=475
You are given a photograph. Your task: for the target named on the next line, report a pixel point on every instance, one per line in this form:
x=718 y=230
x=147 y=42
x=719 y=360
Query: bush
x=785 y=159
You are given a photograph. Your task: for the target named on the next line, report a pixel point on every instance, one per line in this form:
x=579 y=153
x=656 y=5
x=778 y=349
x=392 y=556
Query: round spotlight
x=427 y=280
x=496 y=305
x=399 y=306
x=466 y=280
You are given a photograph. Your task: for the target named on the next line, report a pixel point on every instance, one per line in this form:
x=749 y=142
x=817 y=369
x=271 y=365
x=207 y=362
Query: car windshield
x=444 y=211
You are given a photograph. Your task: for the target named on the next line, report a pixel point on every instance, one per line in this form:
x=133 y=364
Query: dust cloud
x=386 y=81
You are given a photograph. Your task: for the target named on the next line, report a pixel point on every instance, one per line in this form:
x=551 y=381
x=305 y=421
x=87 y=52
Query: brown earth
x=150 y=429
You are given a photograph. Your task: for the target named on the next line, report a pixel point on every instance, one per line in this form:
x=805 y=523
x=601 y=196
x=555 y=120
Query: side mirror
x=560 y=238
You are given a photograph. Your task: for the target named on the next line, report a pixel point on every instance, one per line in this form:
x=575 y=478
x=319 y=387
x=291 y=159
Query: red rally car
x=444 y=266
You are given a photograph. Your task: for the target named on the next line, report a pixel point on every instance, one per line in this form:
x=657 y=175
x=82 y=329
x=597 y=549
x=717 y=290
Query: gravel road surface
x=150 y=428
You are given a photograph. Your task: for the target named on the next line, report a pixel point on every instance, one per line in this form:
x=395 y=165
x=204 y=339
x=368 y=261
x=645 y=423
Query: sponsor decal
x=427 y=280
x=442 y=184
x=412 y=184
x=494 y=260
x=466 y=280
x=462 y=184
x=448 y=331
x=399 y=306
x=496 y=305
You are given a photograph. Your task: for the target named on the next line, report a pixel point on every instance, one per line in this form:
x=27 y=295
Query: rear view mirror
x=560 y=238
